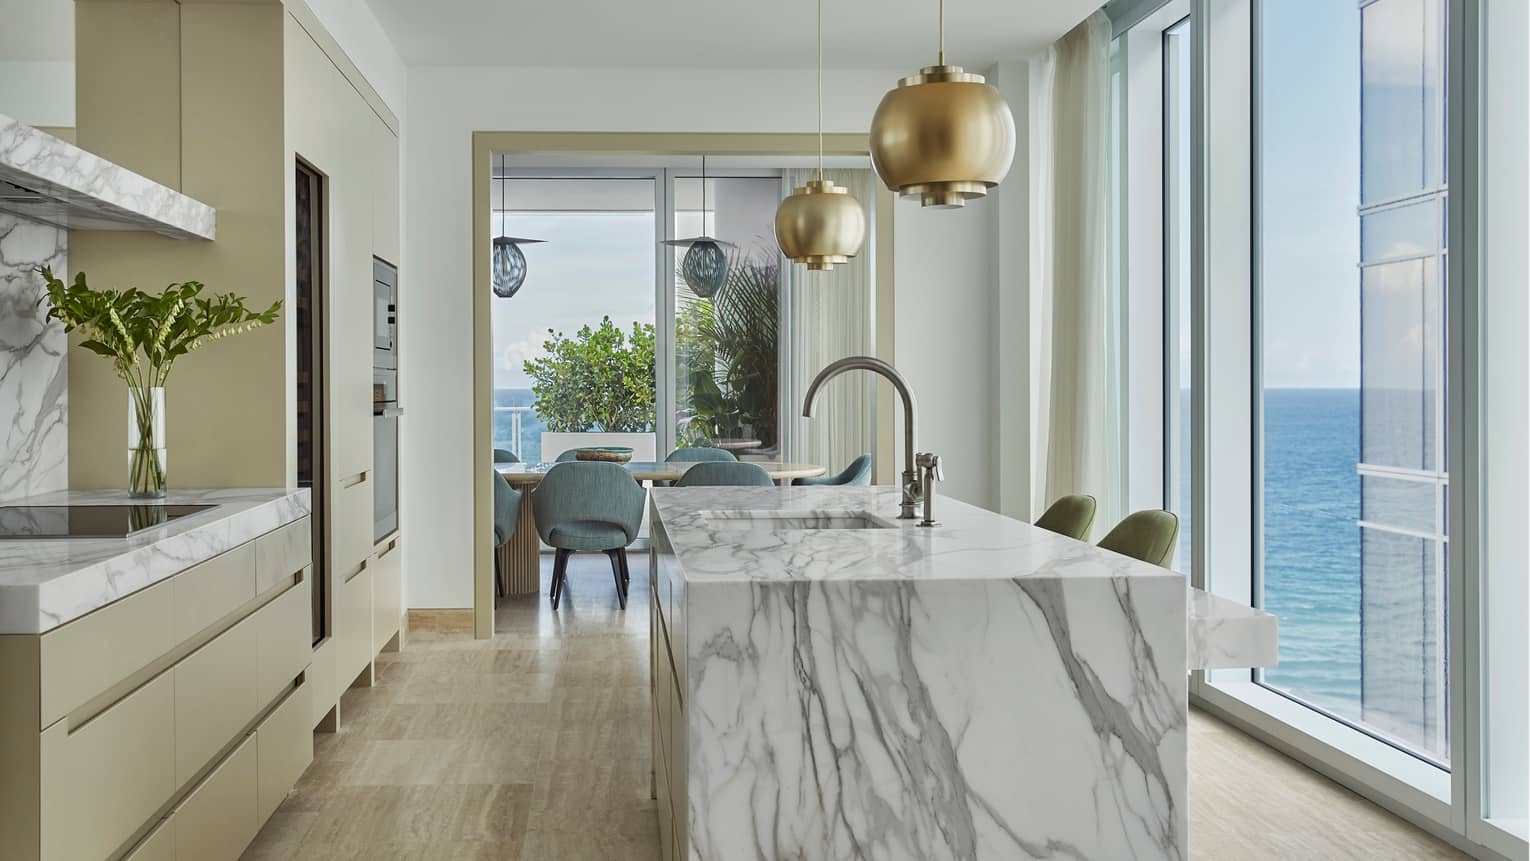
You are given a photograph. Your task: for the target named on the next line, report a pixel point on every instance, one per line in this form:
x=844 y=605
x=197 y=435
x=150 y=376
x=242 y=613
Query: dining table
x=519 y=563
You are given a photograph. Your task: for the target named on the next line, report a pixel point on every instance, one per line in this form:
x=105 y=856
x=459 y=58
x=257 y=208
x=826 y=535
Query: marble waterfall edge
x=34 y=379
x=984 y=690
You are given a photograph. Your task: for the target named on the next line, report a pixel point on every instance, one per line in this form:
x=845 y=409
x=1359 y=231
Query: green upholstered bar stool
x=588 y=507
x=1146 y=535
x=507 y=509
x=1071 y=515
x=697 y=453
x=722 y=474
x=857 y=473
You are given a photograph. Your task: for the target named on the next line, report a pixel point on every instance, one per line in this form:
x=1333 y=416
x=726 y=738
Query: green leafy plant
x=598 y=380
x=730 y=345
x=143 y=335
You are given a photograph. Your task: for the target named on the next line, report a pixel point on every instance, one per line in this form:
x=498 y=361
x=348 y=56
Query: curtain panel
x=830 y=315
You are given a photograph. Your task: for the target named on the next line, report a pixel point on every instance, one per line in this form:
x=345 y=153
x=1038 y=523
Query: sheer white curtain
x=829 y=316
x=1075 y=414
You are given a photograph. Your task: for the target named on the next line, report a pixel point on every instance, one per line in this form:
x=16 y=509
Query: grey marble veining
x=981 y=690
x=1224 y=634
x=72 y=188
x=47 y=582
x=34 y=379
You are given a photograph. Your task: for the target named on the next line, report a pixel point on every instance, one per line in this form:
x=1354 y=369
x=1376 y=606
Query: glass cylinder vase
x=146 y=442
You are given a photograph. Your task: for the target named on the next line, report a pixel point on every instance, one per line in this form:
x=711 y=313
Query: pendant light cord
x=820 y=90
x=941 y=56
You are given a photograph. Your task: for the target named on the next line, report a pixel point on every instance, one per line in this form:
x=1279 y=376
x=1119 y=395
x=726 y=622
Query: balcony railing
x=517 y=443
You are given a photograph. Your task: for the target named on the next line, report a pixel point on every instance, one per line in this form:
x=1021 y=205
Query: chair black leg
x=560 y=575
x=626 y=572
x=616 y=575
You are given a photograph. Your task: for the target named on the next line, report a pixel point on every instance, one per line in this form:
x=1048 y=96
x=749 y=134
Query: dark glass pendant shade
x=509 y=265
x=705 y=267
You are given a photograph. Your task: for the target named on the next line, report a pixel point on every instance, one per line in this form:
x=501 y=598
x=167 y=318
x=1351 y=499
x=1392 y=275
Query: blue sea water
x=530 y=444
x=1312 y=543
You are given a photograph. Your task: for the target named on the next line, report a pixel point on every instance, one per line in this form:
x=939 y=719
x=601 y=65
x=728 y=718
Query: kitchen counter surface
x=45 y=582
x=982 y=689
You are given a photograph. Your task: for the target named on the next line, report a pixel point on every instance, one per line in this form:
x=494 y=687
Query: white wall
x=352 y=25
x=38 y=92
x=447 y=104
x=944 y=286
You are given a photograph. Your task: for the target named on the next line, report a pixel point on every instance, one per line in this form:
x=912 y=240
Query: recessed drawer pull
x=354 y=480
x=392 y=546
x=359 y=568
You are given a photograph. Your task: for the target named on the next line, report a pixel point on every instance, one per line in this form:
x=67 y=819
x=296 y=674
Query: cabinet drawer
x=282 y=553
x=209 y=591
x=158 y=845
x=284 y=748
x=217 y=820
x=84 y=658
x=214 y=696
x=387 y=593
x=285 y=639
x=351 y=522
x=104 y=780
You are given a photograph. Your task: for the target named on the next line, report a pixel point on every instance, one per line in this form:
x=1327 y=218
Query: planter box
x=643 y=445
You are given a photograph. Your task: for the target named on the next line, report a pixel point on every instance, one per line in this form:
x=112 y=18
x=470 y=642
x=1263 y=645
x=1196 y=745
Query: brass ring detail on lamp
x=943 y=135
x=820 y=224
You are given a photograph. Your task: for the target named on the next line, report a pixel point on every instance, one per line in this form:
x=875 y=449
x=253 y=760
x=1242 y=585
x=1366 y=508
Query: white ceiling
x=737 y=34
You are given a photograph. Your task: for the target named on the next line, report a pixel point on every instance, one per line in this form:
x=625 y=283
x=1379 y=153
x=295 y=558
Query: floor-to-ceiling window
x=1352 y=300
x=727 y=333
x=1345 y=377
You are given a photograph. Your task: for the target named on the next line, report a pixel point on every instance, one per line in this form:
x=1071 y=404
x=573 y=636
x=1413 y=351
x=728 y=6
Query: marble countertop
x=714 y=541
x=47 y=582
x=81 y=190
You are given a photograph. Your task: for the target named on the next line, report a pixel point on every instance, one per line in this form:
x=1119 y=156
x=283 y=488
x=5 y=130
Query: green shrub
x=600 y=380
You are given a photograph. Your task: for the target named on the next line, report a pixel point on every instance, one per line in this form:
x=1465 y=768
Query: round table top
x=647 y=470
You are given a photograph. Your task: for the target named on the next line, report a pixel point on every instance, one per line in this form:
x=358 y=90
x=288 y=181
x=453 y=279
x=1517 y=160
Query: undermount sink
x=776 y=521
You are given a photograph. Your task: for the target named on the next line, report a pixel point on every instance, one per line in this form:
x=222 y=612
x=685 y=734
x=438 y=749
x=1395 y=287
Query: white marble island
x=984 y=689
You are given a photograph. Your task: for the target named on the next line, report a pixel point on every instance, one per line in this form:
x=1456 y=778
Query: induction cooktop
x=87 y=521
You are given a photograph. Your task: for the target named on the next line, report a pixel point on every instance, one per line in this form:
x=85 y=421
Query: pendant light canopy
x=942 y=135
x=508 y=265
x=705 y=264
x=820 y=224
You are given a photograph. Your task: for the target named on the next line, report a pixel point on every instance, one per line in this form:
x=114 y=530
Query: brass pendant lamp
x=820 y=223
x=942 y=135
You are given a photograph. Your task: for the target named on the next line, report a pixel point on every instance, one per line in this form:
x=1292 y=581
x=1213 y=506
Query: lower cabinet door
x=353 y=624
x=387 y=593
x=102 y=780
x=286 y=640
x=284 y=748
x=218 y=819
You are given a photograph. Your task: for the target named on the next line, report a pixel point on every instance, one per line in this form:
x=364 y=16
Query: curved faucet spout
x=912 y=491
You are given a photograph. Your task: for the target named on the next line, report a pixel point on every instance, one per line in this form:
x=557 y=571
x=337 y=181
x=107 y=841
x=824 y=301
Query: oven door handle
x=387 y=413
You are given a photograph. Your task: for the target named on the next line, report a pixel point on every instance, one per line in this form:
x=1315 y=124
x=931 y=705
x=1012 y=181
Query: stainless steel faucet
x=912 y=489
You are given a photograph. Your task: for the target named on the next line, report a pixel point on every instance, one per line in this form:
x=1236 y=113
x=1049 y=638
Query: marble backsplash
x=34 y=378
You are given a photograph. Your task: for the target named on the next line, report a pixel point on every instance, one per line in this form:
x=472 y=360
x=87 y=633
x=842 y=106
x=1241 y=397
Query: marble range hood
x=53 y=181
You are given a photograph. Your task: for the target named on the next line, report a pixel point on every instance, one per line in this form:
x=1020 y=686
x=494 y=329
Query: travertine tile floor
x=534 y=745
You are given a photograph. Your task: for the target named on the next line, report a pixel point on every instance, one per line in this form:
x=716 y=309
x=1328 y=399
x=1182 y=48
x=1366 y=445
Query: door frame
x=488 y=144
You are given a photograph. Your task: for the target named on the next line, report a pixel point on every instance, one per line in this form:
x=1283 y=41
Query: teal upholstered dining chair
x=507 y=509
x=505 y=456
x=588 y=507
x=571 y=454
x=857 y=473
x=1071 y=515
x=695 y=453
x=723 y=474
x=1146 y=535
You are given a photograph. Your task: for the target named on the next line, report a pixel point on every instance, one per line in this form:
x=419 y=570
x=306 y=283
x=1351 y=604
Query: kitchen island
x=830 y=682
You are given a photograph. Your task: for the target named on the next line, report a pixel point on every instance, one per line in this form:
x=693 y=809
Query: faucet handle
x=928 y=460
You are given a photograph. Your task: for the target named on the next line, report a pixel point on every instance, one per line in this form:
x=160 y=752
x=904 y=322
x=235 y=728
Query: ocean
x=1312 y=543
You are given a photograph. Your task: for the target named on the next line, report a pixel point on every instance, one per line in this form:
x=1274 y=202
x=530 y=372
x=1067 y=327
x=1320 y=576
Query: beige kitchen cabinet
x=387 y=593
x=670 y=742
x=385 y=191
x=188 y=696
